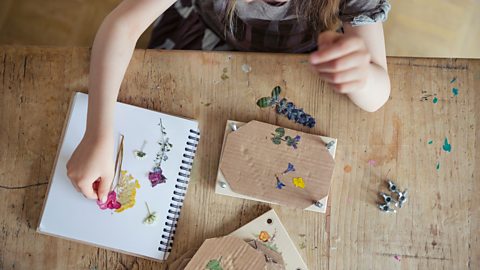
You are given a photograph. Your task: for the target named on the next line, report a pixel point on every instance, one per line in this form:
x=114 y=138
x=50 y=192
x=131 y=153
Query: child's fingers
x=350 y=75
x=104 y=187
x=340 y=48
x=87 y=189
x=347 y=62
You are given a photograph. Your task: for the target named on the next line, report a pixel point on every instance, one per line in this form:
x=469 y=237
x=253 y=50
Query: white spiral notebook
x=156 y=151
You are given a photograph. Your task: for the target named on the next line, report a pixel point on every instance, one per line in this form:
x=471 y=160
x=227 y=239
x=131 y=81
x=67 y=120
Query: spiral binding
x=179 y=192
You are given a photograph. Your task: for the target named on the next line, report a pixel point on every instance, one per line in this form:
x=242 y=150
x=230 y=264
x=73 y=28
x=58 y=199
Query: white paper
x=69 y=215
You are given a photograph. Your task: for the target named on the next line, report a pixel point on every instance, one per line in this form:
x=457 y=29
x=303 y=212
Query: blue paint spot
x=430 y=142
x=453 y=80
x=455 y=91
x=446 y=146
x=435 y=100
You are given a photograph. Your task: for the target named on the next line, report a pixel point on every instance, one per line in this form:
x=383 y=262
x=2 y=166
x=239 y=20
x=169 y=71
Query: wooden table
x=438 y=227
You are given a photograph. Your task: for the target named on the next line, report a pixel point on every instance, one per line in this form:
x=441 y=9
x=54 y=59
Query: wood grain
x=251 y=162
x=438 y=228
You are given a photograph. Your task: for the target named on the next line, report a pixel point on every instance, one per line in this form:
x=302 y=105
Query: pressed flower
x=156 y=176
x=286 y=108
x=139 y=154
x=298 y=182
x=151 y=217
x=111 y=202
x=214 y=264
x=127 y=191
x=280 y=185
x=290 y=168
x=264 y=236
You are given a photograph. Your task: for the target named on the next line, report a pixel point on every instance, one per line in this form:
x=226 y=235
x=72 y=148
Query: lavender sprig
x=286 y=108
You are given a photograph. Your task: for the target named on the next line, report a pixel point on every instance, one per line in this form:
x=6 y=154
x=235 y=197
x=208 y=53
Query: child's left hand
x=342 y=60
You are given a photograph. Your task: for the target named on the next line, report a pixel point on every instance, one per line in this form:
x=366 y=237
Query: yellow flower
x=127 y=191
x=264 y=236
x=298 y=182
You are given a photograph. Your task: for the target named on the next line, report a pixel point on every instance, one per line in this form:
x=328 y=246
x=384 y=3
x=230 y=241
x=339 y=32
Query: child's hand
x=342 y=60
x=92 y=160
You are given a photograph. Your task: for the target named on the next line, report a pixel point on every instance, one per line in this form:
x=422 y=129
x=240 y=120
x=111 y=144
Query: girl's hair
x=322 y=14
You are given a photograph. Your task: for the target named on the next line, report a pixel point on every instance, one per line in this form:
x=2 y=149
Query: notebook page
x=69 y=215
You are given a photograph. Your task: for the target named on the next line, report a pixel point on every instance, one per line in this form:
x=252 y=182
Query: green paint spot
x=446 y=146
x=438 y=166
x=455 y=91
x=435 y=100
x=430 y=142
x=453 y=80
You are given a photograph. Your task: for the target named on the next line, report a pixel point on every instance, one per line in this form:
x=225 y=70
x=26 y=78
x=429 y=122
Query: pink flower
x=111 y=202
x=156 y=176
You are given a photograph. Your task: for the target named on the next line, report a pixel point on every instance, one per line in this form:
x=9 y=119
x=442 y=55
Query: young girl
x=344 y=39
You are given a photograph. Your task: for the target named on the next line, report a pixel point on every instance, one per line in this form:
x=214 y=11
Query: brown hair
x=322 y=14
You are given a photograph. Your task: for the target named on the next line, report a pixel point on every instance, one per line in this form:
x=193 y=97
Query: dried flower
x=290 y=168
x=127 y=191
x=156 y=176
x=298 y=182
x=111 y=202
x=286 y=108
x=214 y=264
x=280 y=185
x=151 y=217
x=264 y=236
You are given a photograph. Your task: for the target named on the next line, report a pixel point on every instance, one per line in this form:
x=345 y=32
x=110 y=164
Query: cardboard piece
x=228 y=252
x=250 y=160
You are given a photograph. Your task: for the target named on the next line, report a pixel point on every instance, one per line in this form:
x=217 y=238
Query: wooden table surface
x=438 y=228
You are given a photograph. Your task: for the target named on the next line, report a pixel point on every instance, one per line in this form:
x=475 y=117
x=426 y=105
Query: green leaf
x=264 y=102
x=276 y=92
x=276 y=140
x=214 y=265
x=279 y=132
x=289 y=140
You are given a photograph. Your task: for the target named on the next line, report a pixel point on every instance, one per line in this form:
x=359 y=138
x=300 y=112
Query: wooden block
x=251 y=162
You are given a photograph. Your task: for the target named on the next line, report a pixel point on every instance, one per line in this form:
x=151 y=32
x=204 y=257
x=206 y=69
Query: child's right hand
x=92 y=160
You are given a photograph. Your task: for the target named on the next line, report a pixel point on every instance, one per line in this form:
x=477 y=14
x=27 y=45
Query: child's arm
x=355 y=64
x=112 y=50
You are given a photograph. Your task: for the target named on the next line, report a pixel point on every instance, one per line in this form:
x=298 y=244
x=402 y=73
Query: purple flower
x=280 y=185
x=156 y=176
x=290 y=168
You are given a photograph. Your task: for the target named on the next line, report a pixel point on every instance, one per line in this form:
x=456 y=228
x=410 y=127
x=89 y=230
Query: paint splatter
x=347 y=168
x=455 y=91
x=435 y=100
x=446 y=146
x=430 y=142
x=372 y=162
x=398 y=258
x=438 y=166
x=453 y=80
x=246 y=68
